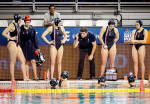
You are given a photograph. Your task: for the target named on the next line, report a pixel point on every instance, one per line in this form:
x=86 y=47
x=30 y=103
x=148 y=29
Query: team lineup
x=23 y=43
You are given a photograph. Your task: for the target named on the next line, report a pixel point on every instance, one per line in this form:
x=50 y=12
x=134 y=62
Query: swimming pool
x=77 y=94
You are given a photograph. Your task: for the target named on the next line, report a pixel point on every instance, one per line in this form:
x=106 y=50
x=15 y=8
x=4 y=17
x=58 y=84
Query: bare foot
x=58 y=79
x=143 y=79
x=36 y=79
x=27 y=79
x=14 y=81
x=136 y=78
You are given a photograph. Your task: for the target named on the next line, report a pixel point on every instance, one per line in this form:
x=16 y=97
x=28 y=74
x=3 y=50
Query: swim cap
x=27 y=18
x=140 y=22
x=53 y=82
x=17 y=17
x=101 y=79
x=65 y=74
x=111 y=22
x=57 y=20
x=131 y=78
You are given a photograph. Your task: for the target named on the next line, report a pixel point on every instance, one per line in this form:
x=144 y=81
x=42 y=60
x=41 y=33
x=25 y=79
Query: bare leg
x=104 y=55
x=59 y=60
x=53 y=53
x=33 y=62
x=141 y=54
x=22 y=59
x=27 y=68
x=135 y=61
x=13 y=54
x=112 y=55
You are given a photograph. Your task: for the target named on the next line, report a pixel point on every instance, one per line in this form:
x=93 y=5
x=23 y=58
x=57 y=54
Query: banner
x=124 y=34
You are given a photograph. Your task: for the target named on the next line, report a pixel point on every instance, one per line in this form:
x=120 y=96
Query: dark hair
x=140 y=22
x=83 y=29
x=51 y=6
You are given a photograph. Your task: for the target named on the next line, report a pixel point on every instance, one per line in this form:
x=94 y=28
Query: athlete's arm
x=117 y=35
x=65 y=35
x=101 y=35
x=145 y=38
x=76 y=42
x=93 y=50
x=48 y=30
x=132 y=38
x=4 y=33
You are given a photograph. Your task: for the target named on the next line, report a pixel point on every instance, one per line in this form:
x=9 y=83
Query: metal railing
x=76 y=4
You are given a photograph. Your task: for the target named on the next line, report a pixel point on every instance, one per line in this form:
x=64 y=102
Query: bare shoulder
x=115 y=29
x=104 y=27
x=50 y=27
x=145 y=30
x=62 y=27
x=134 y=31
x=11 y=25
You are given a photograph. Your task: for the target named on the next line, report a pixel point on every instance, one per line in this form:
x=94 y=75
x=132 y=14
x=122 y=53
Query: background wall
x=70 y=61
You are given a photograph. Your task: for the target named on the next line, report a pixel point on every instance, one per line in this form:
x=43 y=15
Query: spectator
x=50 y=16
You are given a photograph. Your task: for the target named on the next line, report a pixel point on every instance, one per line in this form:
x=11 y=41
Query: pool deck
x=74 y=82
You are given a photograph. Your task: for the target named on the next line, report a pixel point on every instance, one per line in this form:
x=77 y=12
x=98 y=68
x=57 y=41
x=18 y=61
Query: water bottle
x=107 y=75
x=48 y=75
x=114 y=75
x=125 y=76
x=130 y=73
x=110 y=75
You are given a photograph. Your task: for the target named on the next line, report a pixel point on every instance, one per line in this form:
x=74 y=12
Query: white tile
x=125 y=17
x=69 y=17
x=81 y=16
x=138 y=15
x=144 y=17
x=145 y=22
x=63 y=16
x=131 y=17
x=75 y=16
x=105 y=16
x=87 y=16
x=131 y=22
x=124 y=14
x=125 y=22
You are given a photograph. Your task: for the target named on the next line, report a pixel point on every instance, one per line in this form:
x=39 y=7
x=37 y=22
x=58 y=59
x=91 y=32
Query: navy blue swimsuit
x=139 y=36
x=15 y=33
x=56 y=36
x=108 y=38
x=29 y=42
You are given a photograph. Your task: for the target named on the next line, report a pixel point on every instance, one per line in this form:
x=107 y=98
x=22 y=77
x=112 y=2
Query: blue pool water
x=73 y=98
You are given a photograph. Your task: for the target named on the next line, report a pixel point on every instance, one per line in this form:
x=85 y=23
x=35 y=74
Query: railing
x=76 y=4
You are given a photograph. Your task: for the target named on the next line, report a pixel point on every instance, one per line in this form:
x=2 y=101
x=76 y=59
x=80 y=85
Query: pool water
x=73 y=98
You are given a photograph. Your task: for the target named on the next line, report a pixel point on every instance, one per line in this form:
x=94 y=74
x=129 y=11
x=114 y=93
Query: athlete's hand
x=63 y=41
x=90 y=57
x=115 y=40
x=37 y=50
x=77 y=36
x=133 y=41
x=13 y=38
x=51 y=42
x=105 y=46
